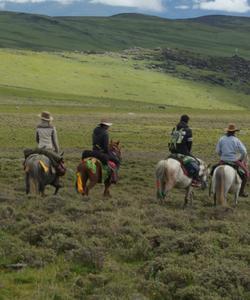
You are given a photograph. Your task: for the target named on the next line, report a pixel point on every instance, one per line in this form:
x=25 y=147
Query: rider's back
x=100 y=139
x=183 y=135
x=228 y=147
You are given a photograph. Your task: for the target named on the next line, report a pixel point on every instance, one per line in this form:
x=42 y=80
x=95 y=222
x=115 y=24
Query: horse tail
x=220 y=186
x=80 y=175
x=162 y=176
x=33 y=171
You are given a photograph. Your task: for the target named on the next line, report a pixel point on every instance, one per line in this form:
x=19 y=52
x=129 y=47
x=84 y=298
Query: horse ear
x=118 y=143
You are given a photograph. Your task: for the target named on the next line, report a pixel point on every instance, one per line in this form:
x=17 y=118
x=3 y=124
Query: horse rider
x=182 y=144
x=100 y=141
x=46 y=135
x=229 y=147
x=47 y=140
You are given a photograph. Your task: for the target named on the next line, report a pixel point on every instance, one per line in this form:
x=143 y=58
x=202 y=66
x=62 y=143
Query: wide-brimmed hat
x=231 y=128
x=45 y=115
x=105 y=122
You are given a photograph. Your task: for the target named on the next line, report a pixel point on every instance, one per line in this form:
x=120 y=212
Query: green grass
x=105 y=249
x=215 y=35
x=107 y=79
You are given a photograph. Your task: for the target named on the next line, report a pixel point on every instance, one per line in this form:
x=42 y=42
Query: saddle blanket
x=189 y=164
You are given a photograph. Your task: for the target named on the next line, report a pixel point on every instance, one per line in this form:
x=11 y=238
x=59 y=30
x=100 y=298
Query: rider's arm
x=55 y=140
x=242 y=149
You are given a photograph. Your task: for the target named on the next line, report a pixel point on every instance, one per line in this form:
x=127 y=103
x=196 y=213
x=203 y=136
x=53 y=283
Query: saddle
x=56 y=160
x=190 y=166
x=240 y=171
x=102 y=157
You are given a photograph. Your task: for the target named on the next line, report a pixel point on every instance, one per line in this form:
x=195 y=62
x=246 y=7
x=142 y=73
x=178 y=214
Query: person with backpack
x=181 y=146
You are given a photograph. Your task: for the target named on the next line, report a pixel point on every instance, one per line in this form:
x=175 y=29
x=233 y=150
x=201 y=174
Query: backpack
x=176 y=138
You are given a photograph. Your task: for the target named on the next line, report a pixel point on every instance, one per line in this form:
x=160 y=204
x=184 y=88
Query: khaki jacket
x=46 y=136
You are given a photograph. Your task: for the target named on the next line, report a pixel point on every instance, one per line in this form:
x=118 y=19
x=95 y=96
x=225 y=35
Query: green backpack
x=176 y=138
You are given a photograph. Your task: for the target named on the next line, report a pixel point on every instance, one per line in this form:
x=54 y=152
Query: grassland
x=214 y=35
x=129 y=246
x=106 y=78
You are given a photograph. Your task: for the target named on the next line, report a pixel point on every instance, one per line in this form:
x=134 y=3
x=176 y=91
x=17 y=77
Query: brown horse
x=89 y=172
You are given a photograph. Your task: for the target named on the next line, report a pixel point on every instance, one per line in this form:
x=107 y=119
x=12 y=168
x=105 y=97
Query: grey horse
x=39 y=173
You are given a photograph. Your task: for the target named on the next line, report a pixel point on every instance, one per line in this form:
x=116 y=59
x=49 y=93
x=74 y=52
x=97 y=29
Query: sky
x=163 y=8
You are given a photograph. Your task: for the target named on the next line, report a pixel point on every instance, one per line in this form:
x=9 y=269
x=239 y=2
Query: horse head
x=204 y=174
x=115 y=149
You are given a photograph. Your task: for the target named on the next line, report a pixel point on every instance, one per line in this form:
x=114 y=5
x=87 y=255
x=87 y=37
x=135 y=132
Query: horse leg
x=215 y=199
x=56 y=183
x=41 y=187
x=188 y=196
x=27 y=183
x=106 y=192
x=92 y=182
x=34 y=185
x=236 y=195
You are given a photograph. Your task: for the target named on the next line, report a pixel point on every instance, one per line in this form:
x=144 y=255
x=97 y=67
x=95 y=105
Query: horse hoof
x=107 y=196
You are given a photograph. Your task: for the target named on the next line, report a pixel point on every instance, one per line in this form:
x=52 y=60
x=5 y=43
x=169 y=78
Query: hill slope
x=108 y=76
x=216 y=35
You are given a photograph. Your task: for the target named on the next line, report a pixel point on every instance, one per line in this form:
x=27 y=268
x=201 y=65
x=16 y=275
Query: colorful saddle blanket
x=189 y=164
x=109 y=172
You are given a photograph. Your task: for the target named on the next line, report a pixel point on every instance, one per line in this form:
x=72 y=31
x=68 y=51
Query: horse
x=169 y=175
x=225 y=180
x=39 y=173
x=89 y=172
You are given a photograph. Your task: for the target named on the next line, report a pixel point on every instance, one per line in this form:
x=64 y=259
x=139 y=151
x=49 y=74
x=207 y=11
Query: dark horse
x=88 y=177
x=39 y=173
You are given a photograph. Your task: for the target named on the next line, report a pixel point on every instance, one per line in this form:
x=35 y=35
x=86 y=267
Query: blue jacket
x=230 y=148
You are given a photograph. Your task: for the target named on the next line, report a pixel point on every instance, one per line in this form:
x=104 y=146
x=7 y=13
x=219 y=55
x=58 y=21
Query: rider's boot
x=242 y=188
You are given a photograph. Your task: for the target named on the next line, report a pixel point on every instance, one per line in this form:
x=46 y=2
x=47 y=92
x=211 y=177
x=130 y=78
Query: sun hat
x=105 y=122
x=45 y=115
x=231 y=128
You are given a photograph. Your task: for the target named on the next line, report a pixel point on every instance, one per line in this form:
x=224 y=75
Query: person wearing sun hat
x=46 y=135
x=100 y=141
x=232 y=150
x=100 y=137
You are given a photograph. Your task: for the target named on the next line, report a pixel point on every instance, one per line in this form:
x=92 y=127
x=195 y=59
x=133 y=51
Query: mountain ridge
x=217 y=35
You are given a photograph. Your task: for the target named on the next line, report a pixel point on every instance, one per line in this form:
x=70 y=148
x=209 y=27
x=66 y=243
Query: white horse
x=169 y=175
x=225 y=180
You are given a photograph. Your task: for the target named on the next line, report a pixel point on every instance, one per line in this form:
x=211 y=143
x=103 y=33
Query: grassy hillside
x=216 y=35
x=106 y=78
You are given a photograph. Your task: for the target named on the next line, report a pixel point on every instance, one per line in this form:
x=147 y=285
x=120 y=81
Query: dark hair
x=230 y=133
x=185 y=118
